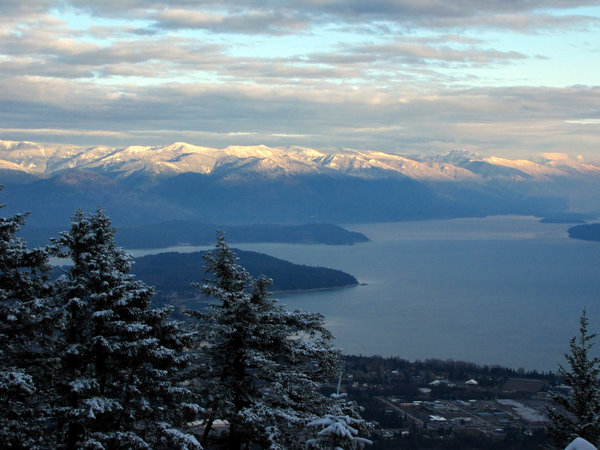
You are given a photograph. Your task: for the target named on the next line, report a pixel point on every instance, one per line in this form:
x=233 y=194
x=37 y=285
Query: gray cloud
x=289 y=16
x=147 y=83
x=247 y=22
x=521 y=23
x=49 y=50
x=12 y=8
x=508 y=121
x=443 y=15
x=415 y=51
x=341 y=7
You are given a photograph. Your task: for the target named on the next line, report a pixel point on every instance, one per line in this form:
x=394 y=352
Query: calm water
x=499 y=290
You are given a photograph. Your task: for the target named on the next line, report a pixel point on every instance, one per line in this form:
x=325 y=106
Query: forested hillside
x=172 y=274
x=586 y=232
x=177 y=232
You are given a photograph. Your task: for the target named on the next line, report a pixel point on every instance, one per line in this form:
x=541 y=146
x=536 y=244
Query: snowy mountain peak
x=246 y=161
x=459 y=157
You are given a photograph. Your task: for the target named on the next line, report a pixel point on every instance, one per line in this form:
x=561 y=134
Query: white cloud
x=584 y=121
x=556 y=156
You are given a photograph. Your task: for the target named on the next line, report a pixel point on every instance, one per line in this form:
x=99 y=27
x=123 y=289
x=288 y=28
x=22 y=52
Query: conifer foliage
x=339 y=429
x=581 y=415
x=118 y=357
x=25 y=336
x=263 y=364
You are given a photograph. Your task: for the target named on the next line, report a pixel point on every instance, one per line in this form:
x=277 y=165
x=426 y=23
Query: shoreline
x=299 y=291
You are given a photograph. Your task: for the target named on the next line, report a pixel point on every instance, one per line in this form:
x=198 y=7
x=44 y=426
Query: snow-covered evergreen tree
x=25 y=338
x=581 y=415
x=340 y=428
x=580 y=444
x=263 y=364
x=120 y=357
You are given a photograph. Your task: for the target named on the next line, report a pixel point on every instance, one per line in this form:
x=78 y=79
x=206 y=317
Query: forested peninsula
x=178 y=232
x=587 y=232
x=172 y=274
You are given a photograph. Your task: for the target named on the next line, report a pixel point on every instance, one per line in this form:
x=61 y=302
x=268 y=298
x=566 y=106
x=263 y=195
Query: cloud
x=52 y=51
x=290 y=16
x=416 y=51
x=556 y=156
x=398 y=75
x=590 y=121
x=521 y=23
x=17 y=8
x=340 y=8
x=245 y=22
x=506 y=121
x=70 y=132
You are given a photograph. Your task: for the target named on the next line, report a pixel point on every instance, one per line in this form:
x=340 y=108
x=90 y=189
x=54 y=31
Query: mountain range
x=259 y=184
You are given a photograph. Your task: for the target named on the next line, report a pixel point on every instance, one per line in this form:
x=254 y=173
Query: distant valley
x=257 y=184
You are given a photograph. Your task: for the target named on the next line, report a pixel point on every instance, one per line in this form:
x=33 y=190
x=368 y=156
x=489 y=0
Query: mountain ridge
x=260 y=184
x=181 y=157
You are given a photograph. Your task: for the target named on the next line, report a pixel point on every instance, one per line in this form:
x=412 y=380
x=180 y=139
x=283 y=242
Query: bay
x=504 y=290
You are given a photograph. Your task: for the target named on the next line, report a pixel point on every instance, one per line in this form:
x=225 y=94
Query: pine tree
x=119 y=356
x=580 y=414
x=26 y=317
x=339 y=429
x=263 y=364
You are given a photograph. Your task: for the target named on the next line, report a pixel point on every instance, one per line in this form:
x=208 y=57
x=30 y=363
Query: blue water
x=497 y=290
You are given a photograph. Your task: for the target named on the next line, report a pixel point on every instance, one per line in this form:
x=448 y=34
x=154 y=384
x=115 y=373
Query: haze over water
x=497 y=290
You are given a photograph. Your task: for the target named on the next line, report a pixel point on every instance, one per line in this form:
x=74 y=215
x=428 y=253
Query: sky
x=517 y=79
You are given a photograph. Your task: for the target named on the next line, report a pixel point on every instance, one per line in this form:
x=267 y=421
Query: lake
x=505 y=290
x=502 y=290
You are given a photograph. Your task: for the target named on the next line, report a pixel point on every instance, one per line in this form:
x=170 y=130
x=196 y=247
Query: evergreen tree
x=25 y=338
x=580 y=413
x=339 y=429
x=263 y=364
x=119 y=357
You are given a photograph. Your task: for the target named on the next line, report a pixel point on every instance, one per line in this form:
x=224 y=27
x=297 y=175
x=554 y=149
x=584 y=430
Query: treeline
x=87 y=362
x=449 y=368
x=393 y=376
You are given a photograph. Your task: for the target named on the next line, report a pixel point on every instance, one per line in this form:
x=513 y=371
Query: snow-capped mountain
x=293 y=184
x=180 y=157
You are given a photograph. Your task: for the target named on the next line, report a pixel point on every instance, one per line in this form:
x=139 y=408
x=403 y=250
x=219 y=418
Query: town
x=450 y=404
